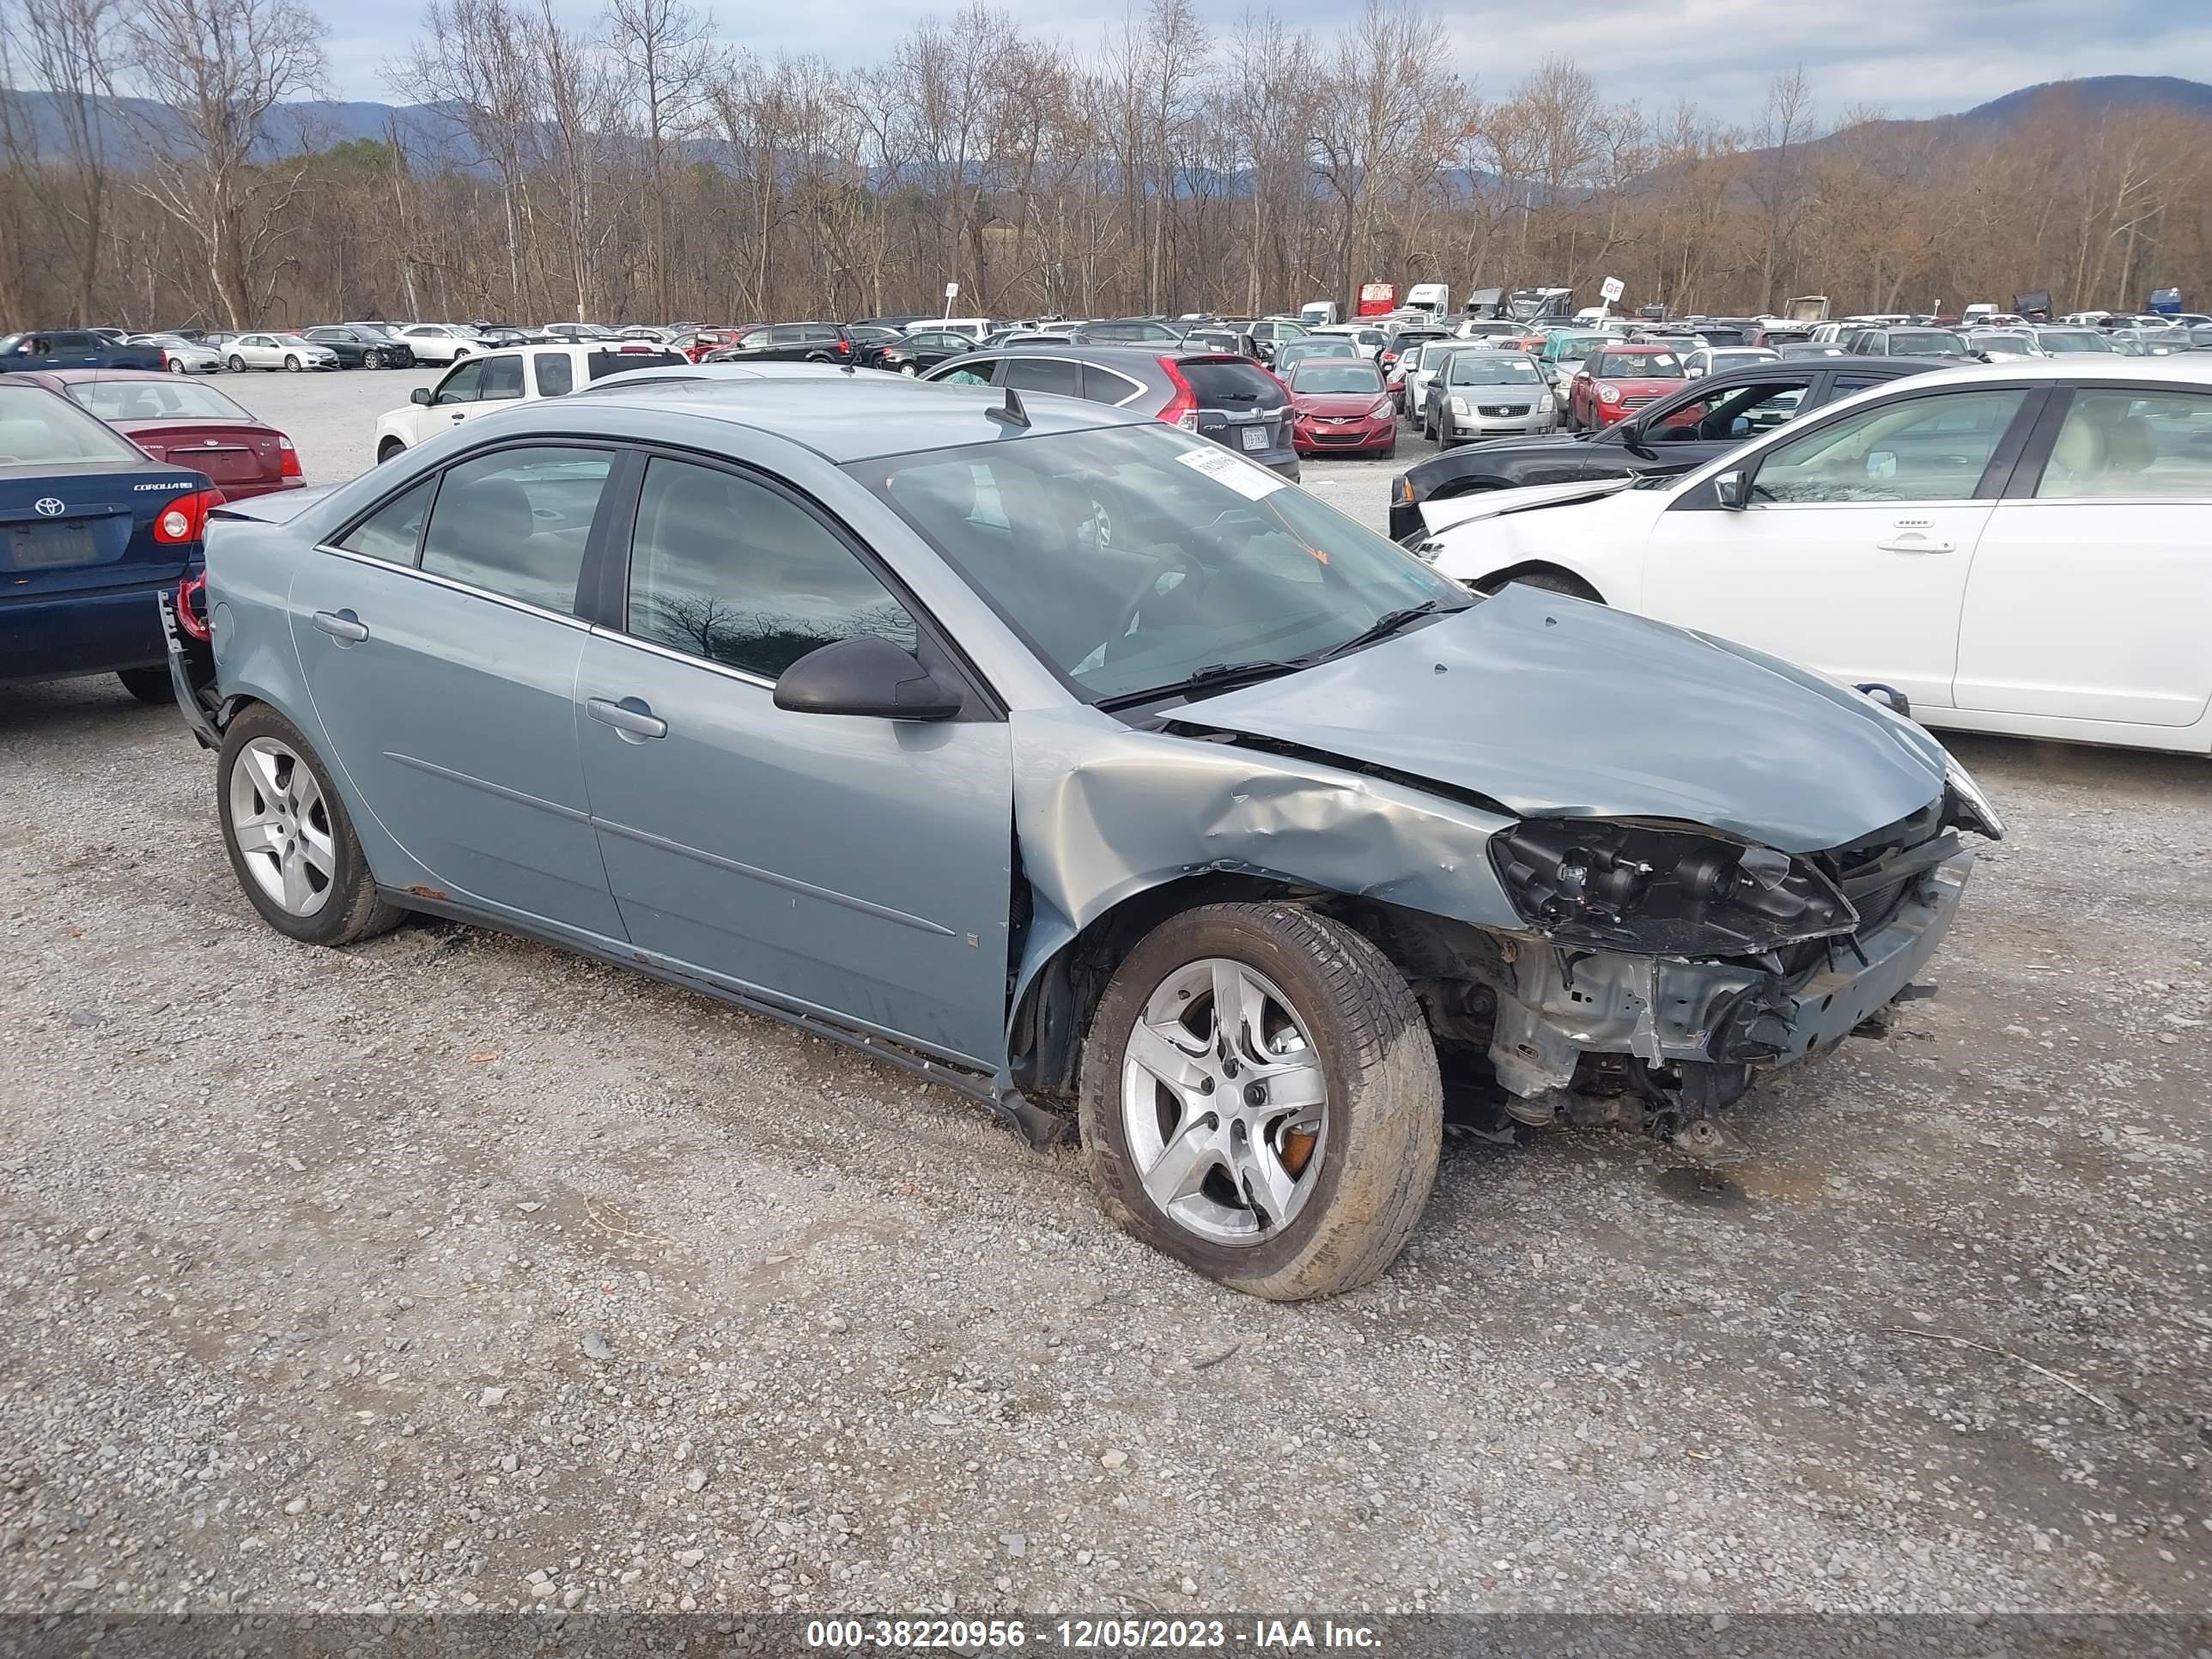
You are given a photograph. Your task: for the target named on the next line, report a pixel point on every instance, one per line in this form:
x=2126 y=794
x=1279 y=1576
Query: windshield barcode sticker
x=1240 y=475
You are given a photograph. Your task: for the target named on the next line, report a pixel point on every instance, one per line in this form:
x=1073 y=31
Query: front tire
x=1287 y=1153
x=1550 y=581
x=148 y=684
x=388 y=448
x=372 y=360
x=291 y=364
x=291 y=845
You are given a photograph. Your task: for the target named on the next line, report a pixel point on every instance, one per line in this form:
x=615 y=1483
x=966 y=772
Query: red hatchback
x=1340 y=406
x=1616 y=381
x=187 y=423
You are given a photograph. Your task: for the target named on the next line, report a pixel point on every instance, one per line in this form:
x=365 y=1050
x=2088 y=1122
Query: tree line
x=644 y=170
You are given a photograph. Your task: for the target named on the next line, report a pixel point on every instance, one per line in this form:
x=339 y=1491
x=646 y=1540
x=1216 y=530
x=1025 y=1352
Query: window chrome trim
x=601 y=631
x=436 y=580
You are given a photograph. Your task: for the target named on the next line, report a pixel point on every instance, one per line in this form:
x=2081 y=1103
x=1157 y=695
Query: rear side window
x=1223 y=383
x=724 y=568
x=77 y=342
x=2141 y=445
x=1045 y=374
x=556 y=375
x=1106 y=386
x=515 y=521
x=503 y=378
x=391 y=531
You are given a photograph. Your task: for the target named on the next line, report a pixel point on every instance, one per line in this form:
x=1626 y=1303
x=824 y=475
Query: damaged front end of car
x=1672 y=963
x=1623 y=868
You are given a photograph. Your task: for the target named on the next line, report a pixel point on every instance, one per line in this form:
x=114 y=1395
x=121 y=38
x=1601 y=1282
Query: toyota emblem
x=48 y=507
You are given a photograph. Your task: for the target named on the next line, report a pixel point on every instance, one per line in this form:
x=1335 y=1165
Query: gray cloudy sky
x=1922 y=58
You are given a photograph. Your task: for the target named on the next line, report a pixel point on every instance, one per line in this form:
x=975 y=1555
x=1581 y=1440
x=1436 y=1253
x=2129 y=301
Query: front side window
x=515 y=521
x=1918 y=449
x=724 y=568
x=2142 y=446
x=556 y=375
x=1130 y=558
x=463 y=385
x=503 y=378
x=1736 y=411
x=392 y=531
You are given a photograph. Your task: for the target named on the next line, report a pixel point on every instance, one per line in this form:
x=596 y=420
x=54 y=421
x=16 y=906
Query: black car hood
x=1553 y=706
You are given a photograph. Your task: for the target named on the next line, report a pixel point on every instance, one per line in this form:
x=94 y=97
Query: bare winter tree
x=1384 y=121
x=665 y=47
x=67 y=48
x=217 y=70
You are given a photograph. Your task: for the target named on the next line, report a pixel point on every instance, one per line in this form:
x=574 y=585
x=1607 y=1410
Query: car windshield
x=1331 y=376
x=2073 y=339
x=172 y=397
x=1136 y=557
x=40 y=430
x=1636 y=366
x=1930 y=344
x=1573 y=348
x=2019 y=345
x=1502 y=369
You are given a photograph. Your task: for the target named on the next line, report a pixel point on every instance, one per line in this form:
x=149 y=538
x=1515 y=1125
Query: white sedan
x=292 y=351
x=440 y=342
x=2015 y=547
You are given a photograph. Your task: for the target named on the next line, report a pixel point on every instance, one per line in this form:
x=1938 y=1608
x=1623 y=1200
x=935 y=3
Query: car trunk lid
x=230 y=453
x=75 y=528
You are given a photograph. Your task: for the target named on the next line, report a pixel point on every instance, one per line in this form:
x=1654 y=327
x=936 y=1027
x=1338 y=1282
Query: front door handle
x=1912 y=541
x=342 y=626
x=633 y=717
x=459 y=415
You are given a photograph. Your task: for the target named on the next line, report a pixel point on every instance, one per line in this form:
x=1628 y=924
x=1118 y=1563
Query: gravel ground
x=452 y=1272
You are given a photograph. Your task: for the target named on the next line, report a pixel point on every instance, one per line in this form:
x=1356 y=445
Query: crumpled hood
x=1555 y=707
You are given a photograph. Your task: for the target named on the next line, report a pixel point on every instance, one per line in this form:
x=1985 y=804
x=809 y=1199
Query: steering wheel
x=1194 y=581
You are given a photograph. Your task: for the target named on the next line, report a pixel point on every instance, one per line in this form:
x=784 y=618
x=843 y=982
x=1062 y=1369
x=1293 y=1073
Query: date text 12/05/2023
x=1088 y=1635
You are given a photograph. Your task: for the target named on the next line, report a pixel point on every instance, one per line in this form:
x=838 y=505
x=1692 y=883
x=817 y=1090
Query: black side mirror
x=865 y=675
x=1733 y=490
x=421 y=395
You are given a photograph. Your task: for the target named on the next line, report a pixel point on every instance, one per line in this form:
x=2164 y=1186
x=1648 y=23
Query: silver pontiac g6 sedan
x=1075 y=762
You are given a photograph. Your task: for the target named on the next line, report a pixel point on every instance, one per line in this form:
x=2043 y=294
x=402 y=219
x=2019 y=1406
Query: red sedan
x=1340 y=406
x=1618 y=380
x=185 y=422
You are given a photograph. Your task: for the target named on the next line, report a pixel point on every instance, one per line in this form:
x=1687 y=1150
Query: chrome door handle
x=342 y=626
x=1913 y=542
x=632 y=717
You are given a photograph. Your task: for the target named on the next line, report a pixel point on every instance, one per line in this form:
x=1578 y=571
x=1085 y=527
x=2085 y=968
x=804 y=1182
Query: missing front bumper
x=1666 y=1012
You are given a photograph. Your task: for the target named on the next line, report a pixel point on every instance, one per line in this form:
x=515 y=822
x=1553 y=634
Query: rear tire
x=237 y=364
x=175 y=365
x=345 y=904
x=1350 y=1177
x=148 y=684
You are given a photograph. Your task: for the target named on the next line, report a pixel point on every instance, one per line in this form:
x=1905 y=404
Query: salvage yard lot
x=399 y=1275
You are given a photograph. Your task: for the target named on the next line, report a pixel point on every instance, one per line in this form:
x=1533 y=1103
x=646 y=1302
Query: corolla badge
x=49 y=507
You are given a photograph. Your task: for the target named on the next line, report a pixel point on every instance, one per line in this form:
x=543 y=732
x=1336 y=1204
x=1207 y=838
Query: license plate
x=50 y=546
x=1255 y=437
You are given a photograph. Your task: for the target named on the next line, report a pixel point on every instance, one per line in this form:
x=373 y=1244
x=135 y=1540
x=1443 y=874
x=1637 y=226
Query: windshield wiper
x=1383 y=626
x=1214 y=673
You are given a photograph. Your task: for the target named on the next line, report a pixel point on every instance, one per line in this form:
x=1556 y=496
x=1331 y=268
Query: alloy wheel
x=1224 y=1102
x=283 y=826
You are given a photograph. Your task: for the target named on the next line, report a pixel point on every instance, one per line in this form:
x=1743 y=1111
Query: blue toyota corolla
x=91 y=529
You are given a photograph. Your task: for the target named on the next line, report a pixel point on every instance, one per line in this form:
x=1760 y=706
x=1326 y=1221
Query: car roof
x=841 y=417
x=70 y=376
x=2111 y=367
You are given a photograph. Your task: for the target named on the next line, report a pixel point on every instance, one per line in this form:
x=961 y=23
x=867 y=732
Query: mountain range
x=432 y=137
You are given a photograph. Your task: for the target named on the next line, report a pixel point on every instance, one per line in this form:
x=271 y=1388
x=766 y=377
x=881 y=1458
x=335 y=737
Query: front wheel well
x=1052 y=1020
x=1539 y=573
x=388 y=448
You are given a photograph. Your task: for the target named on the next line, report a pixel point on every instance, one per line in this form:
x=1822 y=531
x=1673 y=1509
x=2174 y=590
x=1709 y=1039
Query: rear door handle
x=342 y=626
x=633 y=717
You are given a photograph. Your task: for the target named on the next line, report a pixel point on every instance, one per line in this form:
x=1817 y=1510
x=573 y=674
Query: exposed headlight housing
x=1969 y=805
x=1663 y=892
